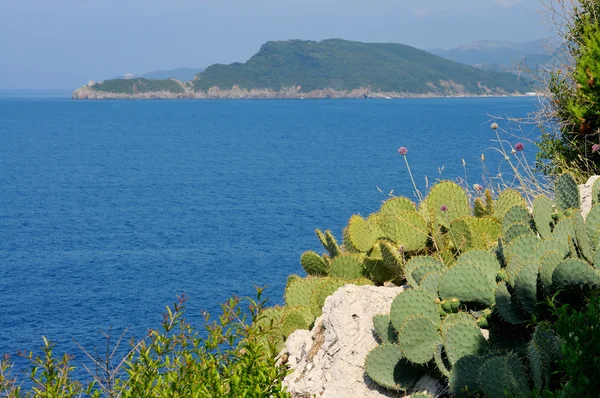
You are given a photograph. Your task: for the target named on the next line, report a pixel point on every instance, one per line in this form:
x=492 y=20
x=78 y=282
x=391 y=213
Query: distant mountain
x=330 y=68
x=182 y=74
x=501 y=56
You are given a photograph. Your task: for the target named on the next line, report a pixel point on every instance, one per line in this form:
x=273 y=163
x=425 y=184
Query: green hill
x=348 y=65
x=330 y=68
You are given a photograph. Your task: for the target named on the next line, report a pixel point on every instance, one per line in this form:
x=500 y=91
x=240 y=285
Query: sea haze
x=109 y=210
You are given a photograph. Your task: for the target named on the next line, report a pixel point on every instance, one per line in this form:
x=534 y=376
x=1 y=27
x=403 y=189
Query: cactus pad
x=396 y=205
x=325 y=288
x=573 y=273
x=468 y=283
x=507 y=307
x=270 y=317
x=523 y=246
x=408 y=229
x=332 y=246
x=502 y=376
x=567 y=193
x=485 y=232
x=385 y=366
x=542 y=351
x=526 y=286
x=314 y=264
x=564 y=230
x=452 y=197
x=516 y=215
x=507 y=199
x=392 y=259
x=298 y=292
x=412 y=303
x=462 y=338
x=296 y=318
x=376 y=268
x=464 y=380
x=430 y=282
x=550 y=245
x=417 y=267
x=418 y=338
x=584 y=243
x=596 y=192
x=384 y=329
x=460 y=233
x=480 y=258
x=516 y=230
x=542 y=215
x=360 y=234
x=321 y=237
x=549 y=262
x=592 y=223
x=346 y=266
x=479 y=209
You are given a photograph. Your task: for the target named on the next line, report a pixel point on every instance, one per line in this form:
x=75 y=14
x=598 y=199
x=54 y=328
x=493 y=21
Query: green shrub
x=569 y=117
x=233 y=356
x=579 y=366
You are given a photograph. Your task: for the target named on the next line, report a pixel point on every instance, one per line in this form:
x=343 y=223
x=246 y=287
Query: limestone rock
x=585 y=192
x=329 y=360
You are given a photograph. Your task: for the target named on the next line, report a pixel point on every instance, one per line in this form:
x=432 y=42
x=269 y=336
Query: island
x=332 y=68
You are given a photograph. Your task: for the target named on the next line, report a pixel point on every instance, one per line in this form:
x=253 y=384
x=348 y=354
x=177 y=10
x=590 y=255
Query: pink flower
x=444 y=208
x=403 y=150
x=519 y=146
x=478 y=187
x=595 y=148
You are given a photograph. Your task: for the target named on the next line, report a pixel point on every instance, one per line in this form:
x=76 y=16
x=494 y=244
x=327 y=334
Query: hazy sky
x=65 y=43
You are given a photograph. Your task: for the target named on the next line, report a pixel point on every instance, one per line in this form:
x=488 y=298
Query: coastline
x=88 y=93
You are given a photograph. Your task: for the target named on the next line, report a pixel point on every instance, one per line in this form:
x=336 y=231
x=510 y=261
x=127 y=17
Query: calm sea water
x=108 y=210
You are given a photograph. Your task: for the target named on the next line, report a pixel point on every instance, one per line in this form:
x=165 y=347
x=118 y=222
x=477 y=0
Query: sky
x=62 y=44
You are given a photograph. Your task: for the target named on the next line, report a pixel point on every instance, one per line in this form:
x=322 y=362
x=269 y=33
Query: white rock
x=585 y=192
x=329 y=360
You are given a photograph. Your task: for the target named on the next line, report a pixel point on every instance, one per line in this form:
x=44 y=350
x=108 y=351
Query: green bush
x=569 y=117
x=232 y=357
x=579 y=366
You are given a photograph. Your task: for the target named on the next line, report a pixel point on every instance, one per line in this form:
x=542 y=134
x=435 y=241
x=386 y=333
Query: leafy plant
x=234 y=356
x=579 y=366
x=569 y=116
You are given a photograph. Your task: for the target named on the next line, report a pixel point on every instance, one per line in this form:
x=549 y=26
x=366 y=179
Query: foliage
x=346 y=65
x=233 y=357
x=580 y=363
x=569 y=117
x=138 y=85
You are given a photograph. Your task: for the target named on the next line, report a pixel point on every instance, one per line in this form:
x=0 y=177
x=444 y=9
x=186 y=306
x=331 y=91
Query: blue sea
x=109 y=210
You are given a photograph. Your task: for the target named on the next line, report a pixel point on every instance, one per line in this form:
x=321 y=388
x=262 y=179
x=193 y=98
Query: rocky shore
x=87 y=92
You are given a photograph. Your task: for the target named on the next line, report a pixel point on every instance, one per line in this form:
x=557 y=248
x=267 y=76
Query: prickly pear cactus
x=446 y=202
x=543 y=210
x=567 y=193
x=507 y=199
x=314 y=264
